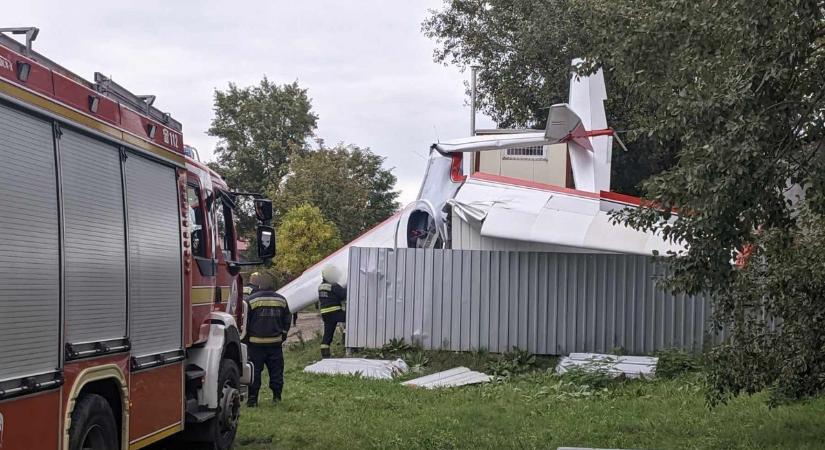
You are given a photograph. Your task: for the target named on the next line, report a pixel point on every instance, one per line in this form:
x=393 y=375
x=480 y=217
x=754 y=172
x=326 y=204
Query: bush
x=675 y=362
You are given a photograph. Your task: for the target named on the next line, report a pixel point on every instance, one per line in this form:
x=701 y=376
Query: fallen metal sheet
x=367 y=368
x=459 y=376
x=614 y=365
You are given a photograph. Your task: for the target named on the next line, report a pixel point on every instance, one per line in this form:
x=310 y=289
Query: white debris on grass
x=367 y=368
x=459 y=376
x=614 y=365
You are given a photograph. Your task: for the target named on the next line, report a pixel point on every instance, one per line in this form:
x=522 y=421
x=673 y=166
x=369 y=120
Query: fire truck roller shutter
x=29 y=248
x=95 y=242
x=155 y=304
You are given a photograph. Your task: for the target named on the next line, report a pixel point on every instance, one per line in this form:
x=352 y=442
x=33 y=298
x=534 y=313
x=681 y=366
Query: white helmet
x=331 y=274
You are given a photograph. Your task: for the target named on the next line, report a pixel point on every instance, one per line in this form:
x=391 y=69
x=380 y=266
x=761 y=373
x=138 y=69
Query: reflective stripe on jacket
x=331 y=297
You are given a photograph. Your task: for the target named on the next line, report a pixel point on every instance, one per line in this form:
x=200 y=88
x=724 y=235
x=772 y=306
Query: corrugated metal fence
x=546 y=303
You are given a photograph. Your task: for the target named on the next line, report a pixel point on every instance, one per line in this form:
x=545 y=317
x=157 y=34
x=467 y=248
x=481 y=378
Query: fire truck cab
x=121 y=305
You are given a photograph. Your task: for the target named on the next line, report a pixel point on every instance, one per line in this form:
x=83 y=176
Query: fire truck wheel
x=225 y=425
x=93 y=425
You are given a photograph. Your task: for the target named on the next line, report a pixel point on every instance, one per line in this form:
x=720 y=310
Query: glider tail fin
x=589 y=143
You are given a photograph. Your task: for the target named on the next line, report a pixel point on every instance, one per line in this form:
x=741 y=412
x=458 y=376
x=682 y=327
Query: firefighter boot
x=276 y=397
x=325 y=351
x=252 y=402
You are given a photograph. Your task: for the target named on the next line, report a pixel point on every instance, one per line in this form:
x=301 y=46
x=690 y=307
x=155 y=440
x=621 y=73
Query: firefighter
x=331 y=297
x=267 y=327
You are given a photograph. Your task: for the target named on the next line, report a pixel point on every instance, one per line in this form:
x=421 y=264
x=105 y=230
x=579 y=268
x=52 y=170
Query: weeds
x=516 y=362
x=301 y=344
x=395 y=348
x=596 y=376
x=416 y=360
x=675 y=362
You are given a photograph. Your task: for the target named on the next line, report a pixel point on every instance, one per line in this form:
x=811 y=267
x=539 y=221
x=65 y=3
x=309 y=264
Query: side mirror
x=266 y=241
x=233 y=267
x=263 y=209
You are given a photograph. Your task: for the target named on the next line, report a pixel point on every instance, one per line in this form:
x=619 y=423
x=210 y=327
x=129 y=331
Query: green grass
x=536 y=410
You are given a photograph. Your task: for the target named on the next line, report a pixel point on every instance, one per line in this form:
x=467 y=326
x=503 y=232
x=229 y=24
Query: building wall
x=546 y=303
x=552 y=169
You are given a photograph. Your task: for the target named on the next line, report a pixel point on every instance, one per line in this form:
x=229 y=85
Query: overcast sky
x=367 y=66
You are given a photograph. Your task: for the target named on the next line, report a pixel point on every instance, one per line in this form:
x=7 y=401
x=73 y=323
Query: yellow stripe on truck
x=201 y=295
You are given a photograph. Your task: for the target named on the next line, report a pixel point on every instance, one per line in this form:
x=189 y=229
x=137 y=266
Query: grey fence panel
x=392 y=275
x=546 y=303
x=372 y=296
x=438 y=286
x=352 y=287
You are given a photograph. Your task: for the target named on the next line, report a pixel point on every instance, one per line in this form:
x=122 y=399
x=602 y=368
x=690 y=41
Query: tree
x=303 y=238
x=524 y=49
x=783 y=279
x=261 y=128
x=739 y=87
x=347 y=183
x=730 y=95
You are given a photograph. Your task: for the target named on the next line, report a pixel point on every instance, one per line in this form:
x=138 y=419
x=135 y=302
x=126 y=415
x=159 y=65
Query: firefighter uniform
x=267 y=327
x=331 y=297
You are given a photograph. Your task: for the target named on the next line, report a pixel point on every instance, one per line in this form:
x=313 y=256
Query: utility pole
x=474 y=73
x=475 y=155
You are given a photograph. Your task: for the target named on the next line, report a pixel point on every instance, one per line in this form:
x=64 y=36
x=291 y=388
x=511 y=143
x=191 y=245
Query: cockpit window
x=422 y=232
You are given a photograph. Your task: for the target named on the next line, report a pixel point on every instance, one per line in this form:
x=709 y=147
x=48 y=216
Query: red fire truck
x=120 y=299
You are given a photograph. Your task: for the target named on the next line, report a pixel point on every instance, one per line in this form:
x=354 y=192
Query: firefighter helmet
x=263 y=280
x=331 y=274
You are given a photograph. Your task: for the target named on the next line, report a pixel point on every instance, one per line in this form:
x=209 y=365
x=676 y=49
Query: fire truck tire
x=93 y=425
x=224 y=426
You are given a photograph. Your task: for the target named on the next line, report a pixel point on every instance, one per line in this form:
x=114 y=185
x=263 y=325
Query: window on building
x=535 y=152
x=196 y=230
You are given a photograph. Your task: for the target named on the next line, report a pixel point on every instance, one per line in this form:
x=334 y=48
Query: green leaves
x=261 y=128
x=725 y=111
x=730 y=83
x=347 y=183
x=263 y=148
x=304 y=237
x=774 y=309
